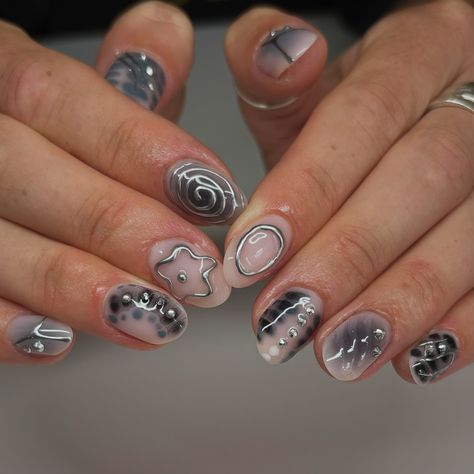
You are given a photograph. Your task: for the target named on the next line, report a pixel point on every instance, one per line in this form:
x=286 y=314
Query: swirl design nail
x=204 y=193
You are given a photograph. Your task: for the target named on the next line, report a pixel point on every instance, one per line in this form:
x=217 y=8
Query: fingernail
x=39 y=335
x=432 y=357
x=188 y=274
x=139 y=77
x=257 y=252
x=204 y=193
x=355 y=345
x=144 y=313
x=281 y=48
x=288 y=324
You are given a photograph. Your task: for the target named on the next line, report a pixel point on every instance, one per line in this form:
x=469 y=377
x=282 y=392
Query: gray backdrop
x=208 y=403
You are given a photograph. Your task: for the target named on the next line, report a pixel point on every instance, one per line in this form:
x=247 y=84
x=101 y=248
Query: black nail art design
x=146 y=314
x=287 y=325
x=139 y=77
x=432 y=357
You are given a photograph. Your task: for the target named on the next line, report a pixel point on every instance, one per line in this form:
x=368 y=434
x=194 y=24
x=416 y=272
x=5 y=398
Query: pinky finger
x=447 y=348
x=28 y=338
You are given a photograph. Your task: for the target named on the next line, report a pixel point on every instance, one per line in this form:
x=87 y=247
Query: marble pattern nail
x=204 y=193
x=432 y=357
x=145 y=313
x=139 y=77
x=288 y=324
x=351 y=348
x=39 y=335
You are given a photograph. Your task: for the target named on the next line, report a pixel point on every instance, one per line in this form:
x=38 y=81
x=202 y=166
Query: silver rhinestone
x=376 y=351
x=430 y=349
x=282 y=342
x=379 y=334
x=126 y=298
x=310 y=309
x=442 y=347
x=171 y=314
x=38 y=346
x=145 y=297
x=292 y=332
x=27 y=349
x=302 y=320
x=160 y=302
x=182 y=277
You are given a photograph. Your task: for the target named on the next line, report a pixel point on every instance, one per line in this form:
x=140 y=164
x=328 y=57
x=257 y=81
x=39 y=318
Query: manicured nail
x=188 y=274
x=355 y=345
x=139 y=77
x=204 y=193
x=432 y=357
x=281 y=48
x=288 y=324
x=257 y=252
x=144 y=313
x=39 y=335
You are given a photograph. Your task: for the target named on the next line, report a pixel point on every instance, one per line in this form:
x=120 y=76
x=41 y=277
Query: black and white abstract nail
x=432 y=357
x=281 y=48
x=355 y=345
x=39 y=335
x=139 y=77
x=144 y=313
x=204 y=193
x=288 y=324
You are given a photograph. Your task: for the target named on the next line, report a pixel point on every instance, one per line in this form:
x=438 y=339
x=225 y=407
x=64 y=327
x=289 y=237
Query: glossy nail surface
x=188 y=274
x=355 y=345
x=283 y=47
x=204 y=193
x=288 y=324
x=254 y=254
x=139 y=77
x=39 y=335
x=432 y=357
x=144 y=313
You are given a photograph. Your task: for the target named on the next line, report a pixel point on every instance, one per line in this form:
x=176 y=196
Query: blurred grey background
x=208 y=403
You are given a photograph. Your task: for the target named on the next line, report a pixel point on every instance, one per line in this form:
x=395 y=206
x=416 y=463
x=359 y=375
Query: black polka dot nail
x=144 y=313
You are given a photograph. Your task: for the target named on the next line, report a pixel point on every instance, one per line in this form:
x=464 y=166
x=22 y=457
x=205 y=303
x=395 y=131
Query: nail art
x=432 y=357
x=283 y=47
x=204 y=193
x=139 y=77
x=39 y=335
x=144 y=313
x=288 y=324
x=355 y=345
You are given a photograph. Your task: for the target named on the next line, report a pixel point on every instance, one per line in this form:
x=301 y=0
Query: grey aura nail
x=283 y=47
x=288 y=324
x=204 y=193
x=432 y=357
x=145 y=313
x=39 y=335
x=351 y=348
x=139 y=77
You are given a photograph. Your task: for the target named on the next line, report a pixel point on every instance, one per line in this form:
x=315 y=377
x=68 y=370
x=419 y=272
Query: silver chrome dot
x=160 y=302
x=282 y=342
x=145 y=297
x=292 y=332
x=442 y=347
x=171 y=314
x=302 y=320
x=379 y=334
x=310 y=309
x=430 y=349
x=376 y=351
x=38 y=346
x=126 y=298
x=182 y=277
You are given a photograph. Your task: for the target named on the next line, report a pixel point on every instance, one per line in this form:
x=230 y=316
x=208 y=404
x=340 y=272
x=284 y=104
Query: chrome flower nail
x=204 y=193
x=433 y=356
x=139 y=77
x=39 y=335
x=145 y=313
x=355 y=345
x=288 y=324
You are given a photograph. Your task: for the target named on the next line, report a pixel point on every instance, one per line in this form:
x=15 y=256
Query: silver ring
x=263 y=105
x=461 y=97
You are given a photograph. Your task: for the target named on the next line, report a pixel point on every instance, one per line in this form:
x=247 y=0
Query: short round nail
x=351 y=348
x=204 y=193
x=139 y=77
x=288 y=324
x=433 y=356
x=144 y=313
x=188 y=274
x=39 y=336
x=281 y=48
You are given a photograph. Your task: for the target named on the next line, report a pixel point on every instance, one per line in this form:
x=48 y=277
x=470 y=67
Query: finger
x=403 y=303
x=72 y=106
x=275 y=58
x=27 y=338
x=89 y=211
x=85 y=292
x=147 y=55
x=373 y=106
x=447 y=348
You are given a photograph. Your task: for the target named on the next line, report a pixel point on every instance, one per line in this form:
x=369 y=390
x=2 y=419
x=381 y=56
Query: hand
x=94 y=190
x=368 y=211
